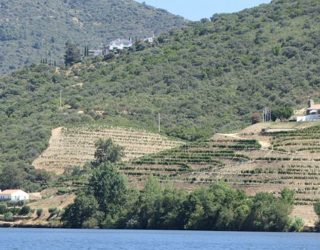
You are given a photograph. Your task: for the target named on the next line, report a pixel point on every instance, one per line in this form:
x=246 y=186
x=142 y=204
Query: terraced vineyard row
x=192 y=164
x=242 y=163
x=70 y=147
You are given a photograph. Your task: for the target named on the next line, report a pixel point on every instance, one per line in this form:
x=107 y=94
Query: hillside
x=69 y=147
x=208 y=77
x=35 y=30
x=248 y=160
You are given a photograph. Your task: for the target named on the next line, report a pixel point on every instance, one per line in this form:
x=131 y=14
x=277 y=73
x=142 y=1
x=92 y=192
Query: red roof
x=10 y=191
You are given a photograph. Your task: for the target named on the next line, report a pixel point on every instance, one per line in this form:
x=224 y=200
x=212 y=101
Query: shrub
x=25 y=210
x=296 y=225
x=53 y=210
x=39 y=212
x=255 y=118
x=8 y=216
x=3 y=208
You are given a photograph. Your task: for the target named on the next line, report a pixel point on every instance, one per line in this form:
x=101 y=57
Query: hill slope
x=69 y=147
x=34 y=30
x=205 y=78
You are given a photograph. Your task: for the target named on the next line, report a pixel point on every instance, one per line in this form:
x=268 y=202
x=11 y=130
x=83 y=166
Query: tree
x=109 y=188
x=269 y=213
x=72 y=55
x=12 y=177
x=106 y=152
x=281 y=113
x=218 y=208
x=83 y=209
x=255 y=118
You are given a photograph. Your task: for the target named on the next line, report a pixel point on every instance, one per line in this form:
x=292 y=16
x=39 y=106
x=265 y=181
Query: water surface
x=52 y=239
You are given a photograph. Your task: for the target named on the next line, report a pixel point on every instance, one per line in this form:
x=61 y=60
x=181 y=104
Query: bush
x=8 y=216
x=255 y=118
x=3 y=208
x=296 y=225
x=52 y=210
x=39 y=212
x=25 y=210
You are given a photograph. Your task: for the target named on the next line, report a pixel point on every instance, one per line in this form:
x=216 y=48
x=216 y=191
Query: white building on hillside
x=312 y=113
x=120 y=44
x=13 y=195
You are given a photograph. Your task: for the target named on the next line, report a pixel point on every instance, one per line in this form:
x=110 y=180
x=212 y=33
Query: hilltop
x=35 y=30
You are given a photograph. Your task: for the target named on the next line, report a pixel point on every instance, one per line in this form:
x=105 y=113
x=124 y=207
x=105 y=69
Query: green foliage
x=296 y=224
x=317 y=208
x=3 y=208
x=29 y=33
x=218 y=208
x=108 y=203
x=109 y=188
x=281 y=113
x=8 y=216
x=269 y=213
x=107 y=152
x=81 y=211
x=72 y=55
x=25 y=210
x=39 y=212
x=11 y=177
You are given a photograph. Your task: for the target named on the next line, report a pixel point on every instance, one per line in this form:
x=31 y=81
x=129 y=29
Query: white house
x=13 y=195
x=120 y=44
x=312 y=113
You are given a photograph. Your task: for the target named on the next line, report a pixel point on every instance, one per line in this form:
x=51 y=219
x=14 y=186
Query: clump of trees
x=72 y=54
x=107 y=202
x=281 y=113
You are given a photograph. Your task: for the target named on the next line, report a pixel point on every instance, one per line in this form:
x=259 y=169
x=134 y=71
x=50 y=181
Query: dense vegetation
x=208 y=77
x=31 y=31
x=107 y=202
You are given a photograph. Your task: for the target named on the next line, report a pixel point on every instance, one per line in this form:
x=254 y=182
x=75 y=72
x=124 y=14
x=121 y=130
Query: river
x=52 y=239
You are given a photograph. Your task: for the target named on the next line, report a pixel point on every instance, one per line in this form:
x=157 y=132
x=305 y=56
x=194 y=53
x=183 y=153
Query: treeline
x=107 y=202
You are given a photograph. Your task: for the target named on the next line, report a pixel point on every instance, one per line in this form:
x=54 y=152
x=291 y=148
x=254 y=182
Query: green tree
x=25 y=210
x=281 y=113
x=148 y=204
x=269 y=213
x=218 y=208
x=107 y=151
x=11 y=177
x=109 y=188
x=72 y=54
x=83 y=209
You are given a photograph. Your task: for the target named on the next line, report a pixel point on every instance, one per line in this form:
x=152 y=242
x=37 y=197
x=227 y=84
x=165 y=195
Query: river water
x=52 y=239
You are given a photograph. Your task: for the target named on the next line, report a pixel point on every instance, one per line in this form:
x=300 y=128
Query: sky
x=196 y=9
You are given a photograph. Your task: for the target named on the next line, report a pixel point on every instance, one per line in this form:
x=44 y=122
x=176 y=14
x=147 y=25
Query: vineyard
x=69 y=147
x=252 y=161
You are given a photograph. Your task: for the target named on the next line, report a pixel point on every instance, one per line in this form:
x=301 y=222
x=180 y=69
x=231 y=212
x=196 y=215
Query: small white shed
x=13 y=195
